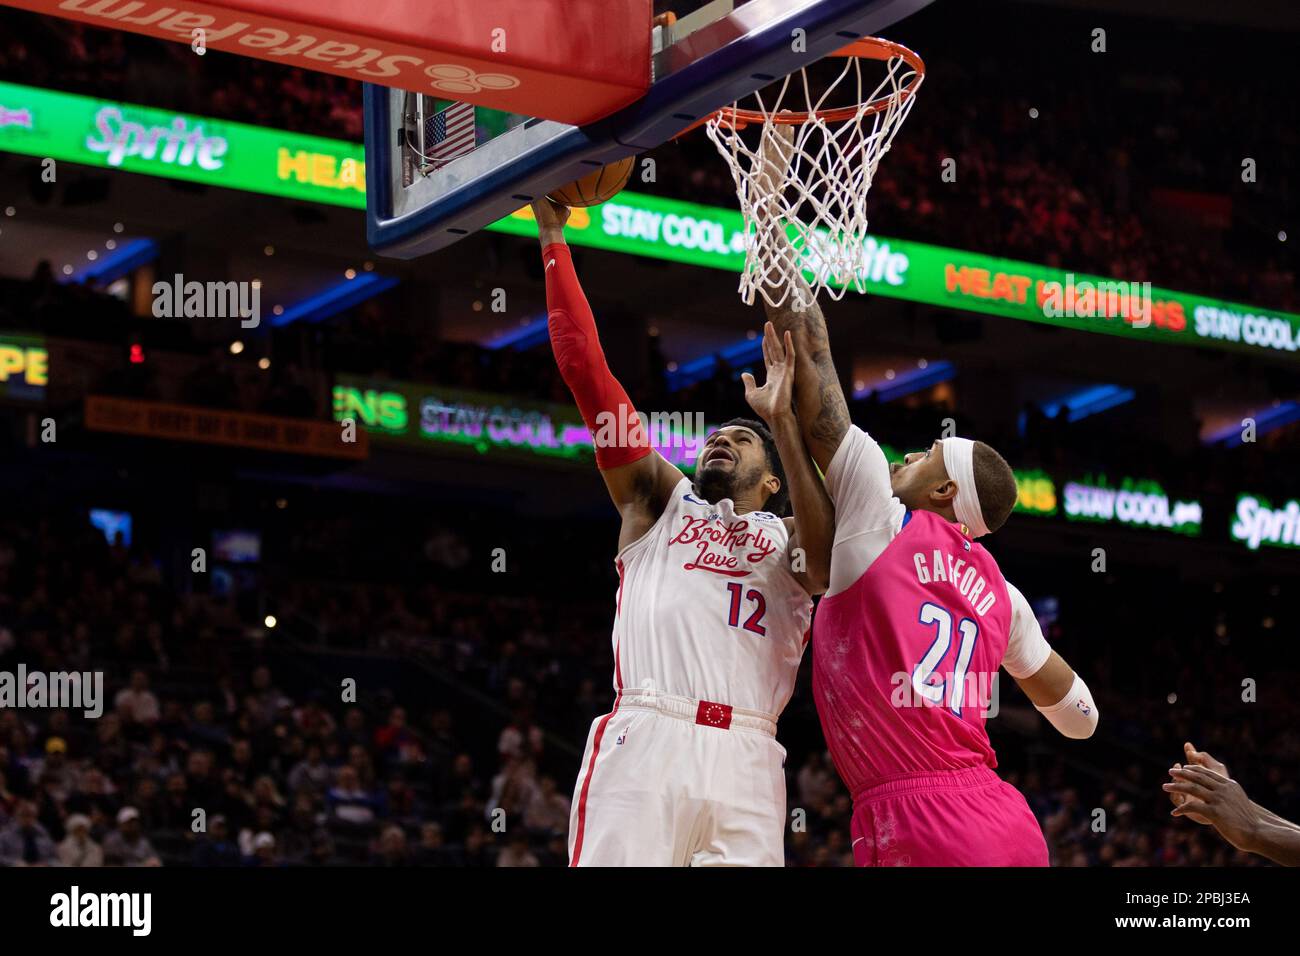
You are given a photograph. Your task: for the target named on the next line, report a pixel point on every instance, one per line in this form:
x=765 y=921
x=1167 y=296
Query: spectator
x=349 y=802
x=395 y=740
x=521 y=737
x=203 y=728
x=816 y=783
x=391 y=849
x=303 y=831
x=548 y=810
x=25 y=842
x=264 y=851
x=54 y=772
x=513 y=789
x=312 y=772
x=433 y=850
x=216 y=848
x=127 y=845
x=8 y=800
x=268 y=699
x=78 y=848
x=477 y=850
x=137 y=704
x=517 y=853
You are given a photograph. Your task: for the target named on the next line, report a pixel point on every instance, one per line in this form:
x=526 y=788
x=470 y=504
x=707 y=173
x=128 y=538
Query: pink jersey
x=909 y=638
x=904 y=659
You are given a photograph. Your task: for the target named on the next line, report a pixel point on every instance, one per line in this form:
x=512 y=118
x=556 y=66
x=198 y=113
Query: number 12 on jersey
x=955 y=688
x=753 y=623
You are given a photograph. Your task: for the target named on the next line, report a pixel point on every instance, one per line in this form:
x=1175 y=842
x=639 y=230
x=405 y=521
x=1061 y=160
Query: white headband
x=959 y=459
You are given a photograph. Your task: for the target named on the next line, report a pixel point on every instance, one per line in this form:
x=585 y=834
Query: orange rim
x=866 y=48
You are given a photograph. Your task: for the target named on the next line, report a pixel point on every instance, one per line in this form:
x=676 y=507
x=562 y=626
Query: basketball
x=595 y=188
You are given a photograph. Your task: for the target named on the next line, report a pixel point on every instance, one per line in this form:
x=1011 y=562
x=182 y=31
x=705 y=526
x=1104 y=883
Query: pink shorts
x=956 y=818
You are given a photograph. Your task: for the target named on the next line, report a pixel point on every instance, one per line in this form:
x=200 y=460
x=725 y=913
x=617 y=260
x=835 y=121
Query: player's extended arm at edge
x=639 y=479
x=1205 y=792
x=818 y=397
x=1276 y=838
x=814 y=515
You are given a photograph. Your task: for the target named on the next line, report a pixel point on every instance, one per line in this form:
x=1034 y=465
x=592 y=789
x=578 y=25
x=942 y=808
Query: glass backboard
x=438 y=170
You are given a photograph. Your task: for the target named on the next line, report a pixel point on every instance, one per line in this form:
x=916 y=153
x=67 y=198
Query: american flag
x=449 y=133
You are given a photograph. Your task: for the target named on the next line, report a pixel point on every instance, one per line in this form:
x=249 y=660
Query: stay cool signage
x=80 y=129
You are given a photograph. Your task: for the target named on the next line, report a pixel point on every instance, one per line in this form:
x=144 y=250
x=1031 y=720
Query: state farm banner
x=294 y=436
x=569 y=60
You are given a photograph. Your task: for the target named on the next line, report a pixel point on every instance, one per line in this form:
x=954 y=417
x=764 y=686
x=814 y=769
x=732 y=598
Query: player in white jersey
x=711 y=618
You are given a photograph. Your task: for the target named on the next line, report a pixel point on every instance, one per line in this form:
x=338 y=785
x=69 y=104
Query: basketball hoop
x=803 y=188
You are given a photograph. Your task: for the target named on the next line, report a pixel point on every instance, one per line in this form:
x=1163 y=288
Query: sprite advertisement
x=79 y=129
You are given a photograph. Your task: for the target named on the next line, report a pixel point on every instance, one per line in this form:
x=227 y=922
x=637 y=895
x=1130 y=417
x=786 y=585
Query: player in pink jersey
x=712 y=614
x=914 y=625
x=911 y=632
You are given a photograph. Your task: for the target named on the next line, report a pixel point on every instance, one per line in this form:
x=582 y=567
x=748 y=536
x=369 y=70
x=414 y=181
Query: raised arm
x=814 y=515
x=819 y=399
x=822 y=411
x=639 y=479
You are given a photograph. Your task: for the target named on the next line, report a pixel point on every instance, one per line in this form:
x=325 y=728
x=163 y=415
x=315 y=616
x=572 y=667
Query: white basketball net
x=806 y=219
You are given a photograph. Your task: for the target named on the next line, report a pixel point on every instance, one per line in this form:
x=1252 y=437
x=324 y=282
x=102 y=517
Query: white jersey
x=708 y=607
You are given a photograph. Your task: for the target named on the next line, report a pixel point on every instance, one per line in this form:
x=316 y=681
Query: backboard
x=440 y=169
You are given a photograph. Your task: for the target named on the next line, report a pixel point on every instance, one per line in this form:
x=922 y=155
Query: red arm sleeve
x=615 y=427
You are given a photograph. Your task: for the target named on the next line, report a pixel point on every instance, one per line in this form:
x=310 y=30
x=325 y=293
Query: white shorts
x=658 y=788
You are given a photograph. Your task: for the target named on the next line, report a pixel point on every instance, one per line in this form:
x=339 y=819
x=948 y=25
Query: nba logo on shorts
x=621 y=737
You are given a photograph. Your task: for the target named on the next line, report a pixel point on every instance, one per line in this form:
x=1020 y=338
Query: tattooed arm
x=818 y=397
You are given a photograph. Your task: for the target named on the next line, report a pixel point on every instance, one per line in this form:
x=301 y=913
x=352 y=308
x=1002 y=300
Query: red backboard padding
x=569 y=60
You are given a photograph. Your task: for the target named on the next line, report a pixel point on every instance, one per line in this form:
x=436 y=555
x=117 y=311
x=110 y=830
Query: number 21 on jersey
x=955 y=688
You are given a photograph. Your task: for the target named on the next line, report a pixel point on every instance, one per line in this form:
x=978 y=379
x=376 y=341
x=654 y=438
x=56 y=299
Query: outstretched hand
x=551 y=217
x=1210 y=797
x=775 y=398
x=1196 y=758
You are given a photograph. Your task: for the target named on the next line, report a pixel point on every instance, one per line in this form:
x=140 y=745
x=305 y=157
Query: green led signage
x=1256 y=523
x=156 y=142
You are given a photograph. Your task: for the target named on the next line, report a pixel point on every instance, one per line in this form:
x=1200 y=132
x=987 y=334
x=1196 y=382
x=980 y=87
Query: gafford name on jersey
x=931 y=568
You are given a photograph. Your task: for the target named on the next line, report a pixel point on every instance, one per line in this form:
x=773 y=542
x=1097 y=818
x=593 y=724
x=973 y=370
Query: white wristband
x=1075 y=715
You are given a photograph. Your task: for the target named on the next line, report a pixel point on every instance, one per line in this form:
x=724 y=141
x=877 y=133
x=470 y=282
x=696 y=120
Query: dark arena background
x=387 y=652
